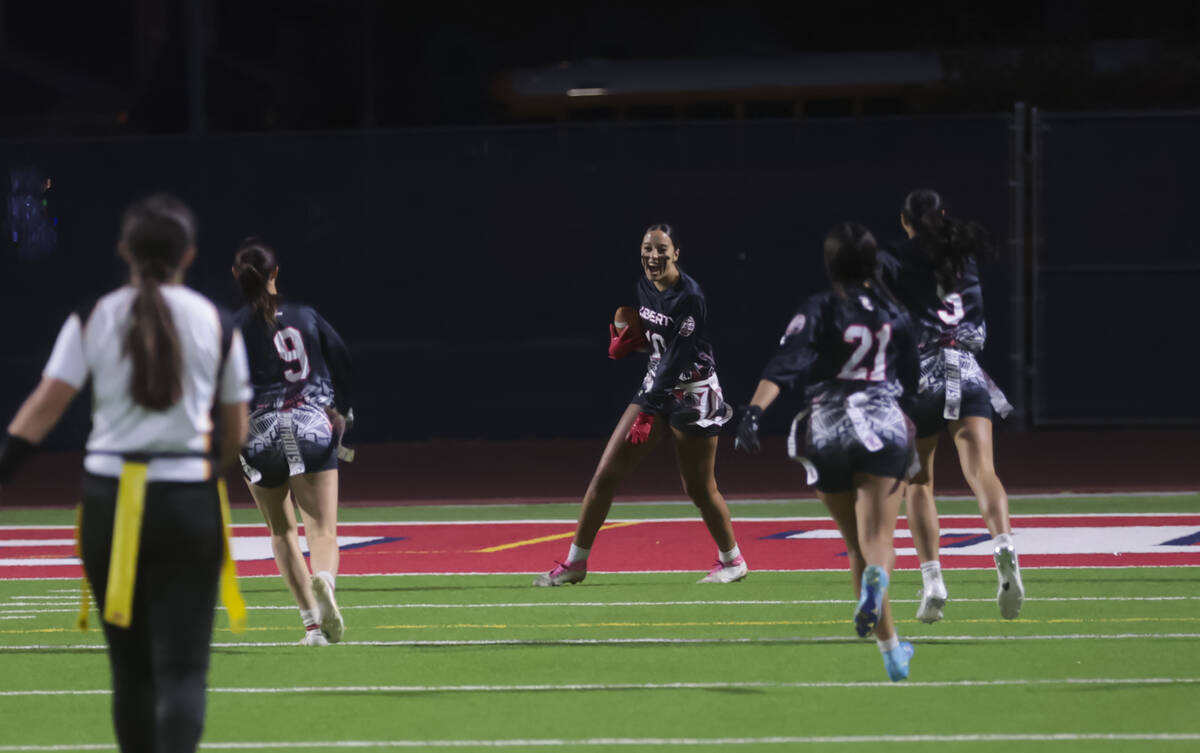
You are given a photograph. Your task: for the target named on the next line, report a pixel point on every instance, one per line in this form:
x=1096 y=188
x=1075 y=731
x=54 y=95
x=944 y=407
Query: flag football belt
x=956 y=362
x=853 y=405
x=126 y=539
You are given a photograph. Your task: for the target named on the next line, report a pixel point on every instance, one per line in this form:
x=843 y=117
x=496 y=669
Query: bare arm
x=42 y=410
x=765 y=394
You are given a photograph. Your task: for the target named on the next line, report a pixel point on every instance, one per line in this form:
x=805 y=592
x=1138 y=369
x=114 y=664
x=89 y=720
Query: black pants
x=160 y=662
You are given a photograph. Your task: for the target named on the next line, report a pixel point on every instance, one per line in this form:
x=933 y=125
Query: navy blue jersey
x=838 y=345
x=675 y=322
x=300 y=357
x=948 y=317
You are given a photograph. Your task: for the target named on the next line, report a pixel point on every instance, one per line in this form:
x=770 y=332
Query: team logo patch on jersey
x=687 y=327
x=795 y=325
x=866 y=303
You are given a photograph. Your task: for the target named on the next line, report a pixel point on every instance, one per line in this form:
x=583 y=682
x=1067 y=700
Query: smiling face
x=658 y=259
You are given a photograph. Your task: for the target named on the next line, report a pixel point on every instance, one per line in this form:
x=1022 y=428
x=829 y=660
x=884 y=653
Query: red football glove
x=621 y=343
x=640 y=431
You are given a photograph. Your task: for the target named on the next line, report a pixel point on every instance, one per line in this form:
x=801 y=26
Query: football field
x=448 y=646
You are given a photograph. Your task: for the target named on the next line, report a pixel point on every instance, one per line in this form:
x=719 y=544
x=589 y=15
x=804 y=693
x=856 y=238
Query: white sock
x=311 y=618
x=931 y=572
x=1004 y=539
x=889 y=644
x=731 y=555
x=327 y=576
x=577 y=554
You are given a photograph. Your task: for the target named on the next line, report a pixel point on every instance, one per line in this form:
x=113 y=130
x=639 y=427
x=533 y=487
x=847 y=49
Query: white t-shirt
x=119 y=425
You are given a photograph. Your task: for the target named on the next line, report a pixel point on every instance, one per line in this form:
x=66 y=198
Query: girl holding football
x=680 y=397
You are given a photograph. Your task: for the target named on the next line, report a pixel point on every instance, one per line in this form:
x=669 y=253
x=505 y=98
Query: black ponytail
x=948 y=241
x=253 y=264
x=851 y=255
x=156 y=233
x=850 y=251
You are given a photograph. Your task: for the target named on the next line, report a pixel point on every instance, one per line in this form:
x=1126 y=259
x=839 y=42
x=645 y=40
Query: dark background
x=470 y=234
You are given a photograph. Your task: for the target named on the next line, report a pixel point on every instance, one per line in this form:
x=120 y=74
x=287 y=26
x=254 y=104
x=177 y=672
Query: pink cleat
x=726 y=572
x=566 y=572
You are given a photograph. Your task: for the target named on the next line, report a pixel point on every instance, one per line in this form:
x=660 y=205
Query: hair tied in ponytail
x=255 y=263
x=156 y=234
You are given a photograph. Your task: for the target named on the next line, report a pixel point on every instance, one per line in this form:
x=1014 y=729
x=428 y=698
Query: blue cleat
x=896 y=661
x=870 y=601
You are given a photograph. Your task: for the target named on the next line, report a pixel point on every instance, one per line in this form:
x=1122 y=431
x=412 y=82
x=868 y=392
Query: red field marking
x=673 y=545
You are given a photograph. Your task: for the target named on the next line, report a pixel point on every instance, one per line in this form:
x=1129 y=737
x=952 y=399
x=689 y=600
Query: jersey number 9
x=290 y=346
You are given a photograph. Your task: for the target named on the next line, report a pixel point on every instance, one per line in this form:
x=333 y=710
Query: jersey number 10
x=854 y=370
x=290 y=346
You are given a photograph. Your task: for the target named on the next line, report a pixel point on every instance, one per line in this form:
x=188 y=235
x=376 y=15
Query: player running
x=853 y=350
x=680 y=396
x=934 y=272
x=300 y=370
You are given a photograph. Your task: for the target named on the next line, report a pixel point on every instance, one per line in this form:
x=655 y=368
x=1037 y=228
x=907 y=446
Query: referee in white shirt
x=163 y=363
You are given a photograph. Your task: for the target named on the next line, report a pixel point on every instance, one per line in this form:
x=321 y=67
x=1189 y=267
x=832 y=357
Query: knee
x=976 y=468
x=702 y=492
x=321 y=530
x=180 y=713
x=604 y=482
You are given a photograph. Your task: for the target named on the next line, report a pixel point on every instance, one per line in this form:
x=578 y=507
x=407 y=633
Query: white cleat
x=726 y=572
x=331 y=617
x=933 y=598
x=562 y=574
x=314 y=638
x=1011 y=593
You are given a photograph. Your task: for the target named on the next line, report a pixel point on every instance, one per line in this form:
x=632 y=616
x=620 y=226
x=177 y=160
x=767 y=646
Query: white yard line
x=524 y=573
x=572 y=521
x=644 y=641
x=538 y=688
x=23 y=609
x=651 y=741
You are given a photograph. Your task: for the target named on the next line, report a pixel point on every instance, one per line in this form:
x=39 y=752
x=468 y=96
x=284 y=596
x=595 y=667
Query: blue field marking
x=785 y=534
x=372 y=542
x=1189 y=540
x=962 y=540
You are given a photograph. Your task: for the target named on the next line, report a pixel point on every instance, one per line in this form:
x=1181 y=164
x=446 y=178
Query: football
x=627 y=316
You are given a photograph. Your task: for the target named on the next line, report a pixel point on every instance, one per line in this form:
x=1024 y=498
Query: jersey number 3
x=290 y=346
x=854 y=370
x=955 y=315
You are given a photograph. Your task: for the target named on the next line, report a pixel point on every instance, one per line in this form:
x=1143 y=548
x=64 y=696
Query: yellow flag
x=231 y=597
x=127 y=537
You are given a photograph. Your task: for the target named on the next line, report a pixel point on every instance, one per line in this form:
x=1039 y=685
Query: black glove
x=747 y=431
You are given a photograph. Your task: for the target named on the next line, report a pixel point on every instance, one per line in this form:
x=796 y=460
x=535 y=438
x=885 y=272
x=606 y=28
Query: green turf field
x=1101 y=660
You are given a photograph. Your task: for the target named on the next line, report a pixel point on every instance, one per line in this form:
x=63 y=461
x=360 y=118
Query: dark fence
x=473 y=272
x=1116 y=335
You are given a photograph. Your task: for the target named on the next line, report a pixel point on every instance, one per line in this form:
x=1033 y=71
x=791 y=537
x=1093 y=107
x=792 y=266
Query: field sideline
x=1104 y=657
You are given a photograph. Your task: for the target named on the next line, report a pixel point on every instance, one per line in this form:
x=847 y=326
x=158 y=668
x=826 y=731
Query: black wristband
x=14 y=451
x=755 y=411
